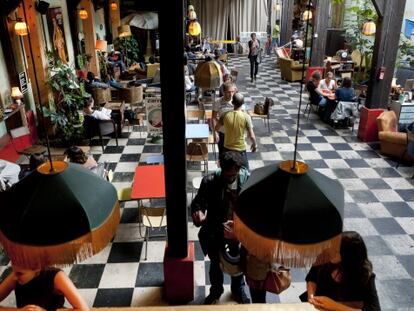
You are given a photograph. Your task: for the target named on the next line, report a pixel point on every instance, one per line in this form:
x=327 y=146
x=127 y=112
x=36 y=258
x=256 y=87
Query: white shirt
x=9 y=174
x=221 y=106
x=324 y=86
x=104 y=114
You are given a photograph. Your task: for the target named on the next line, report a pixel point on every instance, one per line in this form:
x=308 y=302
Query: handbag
x=259 y=108
x=277 y=280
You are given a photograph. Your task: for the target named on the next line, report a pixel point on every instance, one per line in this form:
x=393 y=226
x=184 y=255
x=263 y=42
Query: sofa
x=392 y=142
x=291 y=70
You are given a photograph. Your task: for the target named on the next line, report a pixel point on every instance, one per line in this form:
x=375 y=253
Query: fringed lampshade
x=369 y=28
x=114 y=6
x=83 y=14
x=20 y=28
x=208 y=75
x=307 y=15
x=101 y=45
x=124 y=31
x=65 y=216
x=290 y=216
x=194 y=28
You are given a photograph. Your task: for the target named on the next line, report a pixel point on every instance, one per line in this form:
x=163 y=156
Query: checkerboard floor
x=379 y=204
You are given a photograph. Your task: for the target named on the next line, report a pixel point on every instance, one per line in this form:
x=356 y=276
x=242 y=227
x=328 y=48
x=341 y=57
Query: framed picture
x=57 y=33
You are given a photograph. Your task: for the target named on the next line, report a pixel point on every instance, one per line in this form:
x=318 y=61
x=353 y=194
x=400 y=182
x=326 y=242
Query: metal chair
x=153 y=218
x=197 y=151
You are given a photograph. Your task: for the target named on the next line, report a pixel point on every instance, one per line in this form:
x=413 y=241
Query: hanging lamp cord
x=38 y=96
x=301 y=92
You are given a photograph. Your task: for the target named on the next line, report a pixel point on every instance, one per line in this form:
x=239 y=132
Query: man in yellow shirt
x=236 y=123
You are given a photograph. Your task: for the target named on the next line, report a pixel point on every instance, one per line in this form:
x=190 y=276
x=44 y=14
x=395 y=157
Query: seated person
x=205 y=46
x=346 y=92
x=41 y=289
x=217 y=54
x=315 y=93
x=328 y=83
x=34 y=161
x=226 y=78
x=347 y=282
x=93 y=82
x=188 y=78
x=114 y=58
x=9 y=174
x=76 y=155
x=104 y=114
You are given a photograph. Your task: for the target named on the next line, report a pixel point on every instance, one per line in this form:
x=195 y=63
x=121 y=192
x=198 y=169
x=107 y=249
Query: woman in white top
x=328 y=83
x=104 y=114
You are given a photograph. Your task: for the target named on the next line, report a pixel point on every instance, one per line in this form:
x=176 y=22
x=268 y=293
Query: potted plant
x=129 y=47
x=361 y=11
x=67 y=100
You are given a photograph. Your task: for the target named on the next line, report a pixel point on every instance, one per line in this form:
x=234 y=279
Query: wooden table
x=149 y=182
x=329 y=94
x=117 y=114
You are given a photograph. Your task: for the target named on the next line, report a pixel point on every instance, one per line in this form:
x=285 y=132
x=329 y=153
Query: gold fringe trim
x=284 y=253
x=35 y=257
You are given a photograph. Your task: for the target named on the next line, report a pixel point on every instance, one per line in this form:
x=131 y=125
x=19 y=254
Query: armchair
x=393 y=143
x=94 y=127
x=291 y=70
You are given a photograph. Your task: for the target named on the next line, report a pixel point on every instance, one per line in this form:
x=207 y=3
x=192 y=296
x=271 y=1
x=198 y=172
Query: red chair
x=311 y=70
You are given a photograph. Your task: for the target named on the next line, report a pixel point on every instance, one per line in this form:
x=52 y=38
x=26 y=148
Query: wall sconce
x=17 y=95
x=114 y=6
x=124 y=31
x=369 y=28
x=277 y=7
x=20 y=28
x=194 y=29
x=83 y=14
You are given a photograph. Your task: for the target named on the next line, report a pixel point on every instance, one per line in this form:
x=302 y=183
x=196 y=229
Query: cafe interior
x=107 y=114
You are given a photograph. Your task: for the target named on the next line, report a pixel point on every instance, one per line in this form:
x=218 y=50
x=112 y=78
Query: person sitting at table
x=328 y=83
x=205 y=47
x=34 y=161
x=114 y=59
x=346 y=92
x=41 y=289
x=315 y=93
x=345 y=283
x=93 y=82
x=104 y=114
x=9 y=174
x=217 y=54
x=77 y=155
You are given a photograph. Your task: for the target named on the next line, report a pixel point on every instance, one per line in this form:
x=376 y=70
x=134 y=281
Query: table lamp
x=17 y=95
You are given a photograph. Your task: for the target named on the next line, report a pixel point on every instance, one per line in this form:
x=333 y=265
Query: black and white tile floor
x=379 y=205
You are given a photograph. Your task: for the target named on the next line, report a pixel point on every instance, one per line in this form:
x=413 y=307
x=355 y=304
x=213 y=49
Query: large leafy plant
x=405 y=56
x=67 y=101
x=129 y=47
x=360 y=12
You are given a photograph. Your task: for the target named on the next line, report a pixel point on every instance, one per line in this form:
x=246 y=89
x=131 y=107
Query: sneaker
x=255 y=78
x=211 y=300
x=251 y=80
x=240 y=297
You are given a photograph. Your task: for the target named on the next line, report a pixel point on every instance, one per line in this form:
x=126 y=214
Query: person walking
x=254 y=49
x=236 y=123
x=212 y=209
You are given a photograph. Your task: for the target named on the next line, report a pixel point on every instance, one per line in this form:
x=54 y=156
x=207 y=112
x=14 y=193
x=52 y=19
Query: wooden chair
x=94 y=127
x=153 y=218
x=197 y=151
x=195 y=114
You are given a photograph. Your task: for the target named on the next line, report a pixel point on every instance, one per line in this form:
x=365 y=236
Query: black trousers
x=258 y=295
x=216 y=274
x=254 y=66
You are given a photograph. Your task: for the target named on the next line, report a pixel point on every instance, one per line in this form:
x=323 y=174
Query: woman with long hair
x=346 y=283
